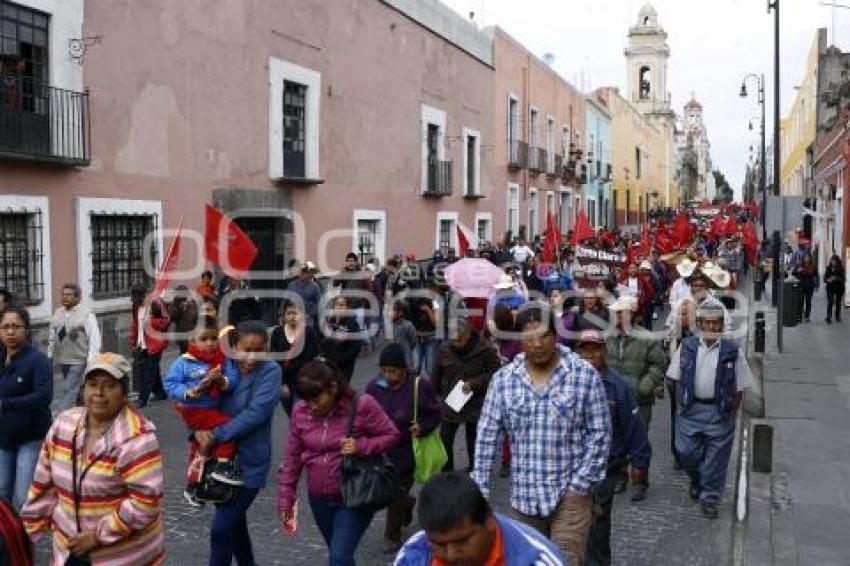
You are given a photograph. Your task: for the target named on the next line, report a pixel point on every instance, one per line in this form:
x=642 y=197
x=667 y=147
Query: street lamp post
x=777 y=163
x=762 y=162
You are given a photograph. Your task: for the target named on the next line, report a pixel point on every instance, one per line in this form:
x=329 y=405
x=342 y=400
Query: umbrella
x=473 y=277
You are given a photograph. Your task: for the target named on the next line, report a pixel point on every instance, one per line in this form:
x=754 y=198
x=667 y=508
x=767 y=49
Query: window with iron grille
x=367 y=237
x=118 y=253
x=21 y=256
x=482 y=227
x=294 y=129
x=445 y=235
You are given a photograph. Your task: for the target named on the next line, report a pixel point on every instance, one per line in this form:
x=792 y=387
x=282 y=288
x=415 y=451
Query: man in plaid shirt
x=553 y=407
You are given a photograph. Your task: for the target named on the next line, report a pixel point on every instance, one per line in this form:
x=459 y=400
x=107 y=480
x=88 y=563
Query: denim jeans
x=341 y=527
x=229 y=536
x=425 y=355
x=150 y=376
x=73 y=382
x=17 y=466
x=704 y=441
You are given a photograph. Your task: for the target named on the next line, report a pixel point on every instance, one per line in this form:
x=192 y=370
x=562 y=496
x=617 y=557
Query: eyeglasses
x=13 y=327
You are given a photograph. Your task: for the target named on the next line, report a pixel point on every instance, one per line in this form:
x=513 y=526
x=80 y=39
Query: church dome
x=693 y=104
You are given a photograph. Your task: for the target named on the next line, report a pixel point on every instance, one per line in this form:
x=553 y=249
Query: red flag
x=731 y=227
x=681 y=230
x=550 y=244
x=582 y=230
x=717 y=227
x=227 y=245
x=169 y=262
x=462 y=241
x=751 y=242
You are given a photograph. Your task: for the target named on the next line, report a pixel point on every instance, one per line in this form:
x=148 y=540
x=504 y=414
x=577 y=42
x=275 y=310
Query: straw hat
x=646 y=265
x=720 y=277
x=686 y=267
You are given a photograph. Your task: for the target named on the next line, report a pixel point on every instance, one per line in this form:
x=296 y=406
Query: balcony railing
x=536 y=159
x=558 y=170
x=569 y=172
x=439 y=183
x=517 y=154
x=43 y=123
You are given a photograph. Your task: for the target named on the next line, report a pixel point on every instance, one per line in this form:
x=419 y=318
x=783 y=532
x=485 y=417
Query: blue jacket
x=524 y=546
x=185 y=373
x=629 y=433
x=251 y=405
x=26 y=389
x=561 y=280
x=725 y=384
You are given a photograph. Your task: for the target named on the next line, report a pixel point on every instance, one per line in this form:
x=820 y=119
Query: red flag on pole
x=582 y=230
x=550 y=244
x=731 y=227
x=169 y=262
x=462 y=241
x=717 y=227
x=226 y=245
x=681 y=230
x=751 y=242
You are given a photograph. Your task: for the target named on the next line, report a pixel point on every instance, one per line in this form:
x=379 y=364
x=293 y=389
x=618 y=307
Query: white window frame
x=514 y=98
x=488 y=217
x=550 y=200
x=467 y=133
x=85 y=208
x=280 y=71
x=565 y=217
x=533 y=126
x=533 y=213
x=513 y=189
x=443 y=215
x=592 y=218
x=437 y=117
x=30 y=205
x=550 y=143
x=381 y=240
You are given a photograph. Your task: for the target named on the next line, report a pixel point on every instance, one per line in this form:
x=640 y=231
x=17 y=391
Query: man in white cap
x=709 y=374
x=641 y=362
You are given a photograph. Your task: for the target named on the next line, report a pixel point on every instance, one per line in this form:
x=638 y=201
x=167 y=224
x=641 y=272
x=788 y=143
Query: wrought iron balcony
x=558 y=169
x=439 y=183
x=569 y=171
x=43 y=123
x=517 y=154
x=537 y=157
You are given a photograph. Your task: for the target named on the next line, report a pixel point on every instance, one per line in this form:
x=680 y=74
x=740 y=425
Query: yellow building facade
x=640 y=159
x=798 y=128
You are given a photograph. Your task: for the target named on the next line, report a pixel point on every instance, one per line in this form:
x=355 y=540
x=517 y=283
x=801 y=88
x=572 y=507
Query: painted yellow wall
x=798 y=128
x=630 y=130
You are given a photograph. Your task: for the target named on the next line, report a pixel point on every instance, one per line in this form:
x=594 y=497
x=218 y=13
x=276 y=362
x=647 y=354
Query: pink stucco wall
x=520 y=73
x=180 y=107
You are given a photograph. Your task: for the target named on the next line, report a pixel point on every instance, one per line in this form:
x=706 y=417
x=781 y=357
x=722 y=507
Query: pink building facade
x=323 y=127
x=539 y=125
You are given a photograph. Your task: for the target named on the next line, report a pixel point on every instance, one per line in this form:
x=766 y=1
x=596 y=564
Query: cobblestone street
x=661 y=530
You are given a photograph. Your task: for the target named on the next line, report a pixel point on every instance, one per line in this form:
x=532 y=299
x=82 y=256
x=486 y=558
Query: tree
x=724 y=190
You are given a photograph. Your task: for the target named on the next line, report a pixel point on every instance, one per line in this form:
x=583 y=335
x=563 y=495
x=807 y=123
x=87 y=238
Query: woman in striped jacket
x=98 y=484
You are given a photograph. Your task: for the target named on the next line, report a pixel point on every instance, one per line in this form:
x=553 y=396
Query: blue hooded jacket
x=524 y=546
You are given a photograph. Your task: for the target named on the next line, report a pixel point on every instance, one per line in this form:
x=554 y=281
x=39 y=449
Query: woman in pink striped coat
x=98 y=485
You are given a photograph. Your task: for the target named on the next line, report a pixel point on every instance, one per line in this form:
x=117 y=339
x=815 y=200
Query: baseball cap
x=114 y=364
x=590 y=337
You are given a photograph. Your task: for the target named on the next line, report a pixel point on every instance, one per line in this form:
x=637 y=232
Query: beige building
x=640 y=159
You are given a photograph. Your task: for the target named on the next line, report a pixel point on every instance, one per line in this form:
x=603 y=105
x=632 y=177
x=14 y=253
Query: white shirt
x=91 y=328
x=679 y=291
x=706 y=370
x=521 y=253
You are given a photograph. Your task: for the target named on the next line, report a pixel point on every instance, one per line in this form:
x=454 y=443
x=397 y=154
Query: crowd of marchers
x=552 y=375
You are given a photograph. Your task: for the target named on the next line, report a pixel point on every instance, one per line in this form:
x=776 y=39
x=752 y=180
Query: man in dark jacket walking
x=471 y=360
x=629 y=442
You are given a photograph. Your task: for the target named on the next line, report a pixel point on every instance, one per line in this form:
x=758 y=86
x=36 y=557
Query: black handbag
x=367 y=482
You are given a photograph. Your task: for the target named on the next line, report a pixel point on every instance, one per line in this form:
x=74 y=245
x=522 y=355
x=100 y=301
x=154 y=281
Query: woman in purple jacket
x=318 y=439
x=394 y=391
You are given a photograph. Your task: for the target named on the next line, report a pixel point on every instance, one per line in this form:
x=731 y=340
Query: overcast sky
x=713 y=44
